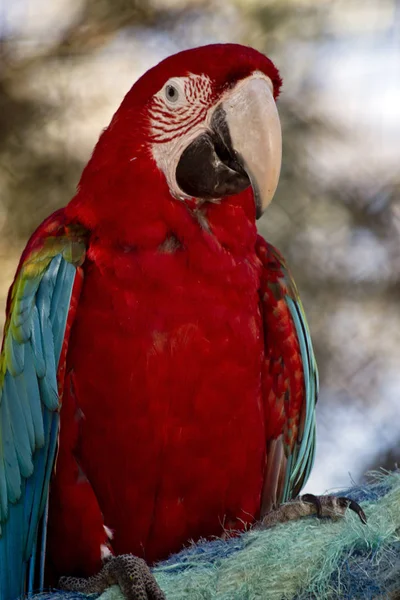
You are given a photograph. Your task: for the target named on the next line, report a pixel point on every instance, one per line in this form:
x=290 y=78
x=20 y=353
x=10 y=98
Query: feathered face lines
x=179 y=106
x=211 y=141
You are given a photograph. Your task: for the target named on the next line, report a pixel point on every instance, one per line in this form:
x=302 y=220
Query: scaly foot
x=322 y=506
x=131 y=574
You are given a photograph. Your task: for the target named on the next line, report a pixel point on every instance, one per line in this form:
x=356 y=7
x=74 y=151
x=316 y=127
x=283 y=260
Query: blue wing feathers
x=60 y=304
x=38 y=486
x=3 y=489
x=33 y=494
x=48 y=384
x=57 y=295
x=19 y=428
x=43 y=542
x=15 y=355
x=29 y=420
x=33 y=399
x=37 y=345
x=22 y=316
x=3 y=482
x=13 y=475
x=301 y=465
x=21 y=391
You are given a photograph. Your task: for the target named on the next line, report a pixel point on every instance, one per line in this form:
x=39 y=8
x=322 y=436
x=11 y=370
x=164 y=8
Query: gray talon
x=131 y=573
x=332 y=507
x=311 y=499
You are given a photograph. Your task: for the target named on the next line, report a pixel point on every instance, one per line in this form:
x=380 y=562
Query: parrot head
x=205 y=121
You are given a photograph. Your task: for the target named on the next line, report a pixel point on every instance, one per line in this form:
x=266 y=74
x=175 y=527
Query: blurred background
x=65 y=66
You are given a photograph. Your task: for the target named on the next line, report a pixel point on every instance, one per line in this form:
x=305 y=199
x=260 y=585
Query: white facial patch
x=182 y=110
x=179 y=113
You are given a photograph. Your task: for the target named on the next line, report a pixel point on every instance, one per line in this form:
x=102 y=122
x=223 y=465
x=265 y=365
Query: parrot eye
x=171 y=93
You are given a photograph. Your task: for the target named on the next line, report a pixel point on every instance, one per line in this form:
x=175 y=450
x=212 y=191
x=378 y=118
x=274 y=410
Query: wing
x=290 y=382
x=40 y=309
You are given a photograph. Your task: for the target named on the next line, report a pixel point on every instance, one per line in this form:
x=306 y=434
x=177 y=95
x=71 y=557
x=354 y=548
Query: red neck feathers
x=124 y=199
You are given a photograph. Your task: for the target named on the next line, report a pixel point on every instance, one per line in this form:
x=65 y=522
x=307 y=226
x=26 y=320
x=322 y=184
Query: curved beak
x=241 y=146
x=255 y=131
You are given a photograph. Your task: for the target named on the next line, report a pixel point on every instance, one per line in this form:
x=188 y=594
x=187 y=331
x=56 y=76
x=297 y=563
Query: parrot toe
x=322 y=506
x=131 y=573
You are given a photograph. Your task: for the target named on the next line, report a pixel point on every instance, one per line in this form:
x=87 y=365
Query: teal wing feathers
x=290 y=380
x=304 y=449
x=38 y=315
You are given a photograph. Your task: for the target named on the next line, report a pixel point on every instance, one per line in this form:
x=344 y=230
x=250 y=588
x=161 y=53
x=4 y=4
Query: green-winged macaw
x=158 y=382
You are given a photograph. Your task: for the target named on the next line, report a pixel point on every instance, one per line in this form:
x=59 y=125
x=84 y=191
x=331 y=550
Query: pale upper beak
x=241 y=146
x=255 y=131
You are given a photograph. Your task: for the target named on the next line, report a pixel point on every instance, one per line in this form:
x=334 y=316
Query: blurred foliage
x=340 y=233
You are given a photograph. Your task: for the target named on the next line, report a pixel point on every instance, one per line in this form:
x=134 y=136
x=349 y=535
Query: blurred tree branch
x=98 y=23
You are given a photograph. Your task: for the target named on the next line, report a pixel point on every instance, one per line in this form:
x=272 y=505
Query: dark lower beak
x=208 y=167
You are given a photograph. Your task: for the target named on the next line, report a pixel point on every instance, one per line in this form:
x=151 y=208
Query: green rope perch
x=301 y=560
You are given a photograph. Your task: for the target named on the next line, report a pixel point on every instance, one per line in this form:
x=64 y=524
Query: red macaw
x=157 y=372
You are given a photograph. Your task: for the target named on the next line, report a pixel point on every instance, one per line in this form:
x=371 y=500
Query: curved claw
x=315 y=501
x=353 y=505
x=332 y=507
